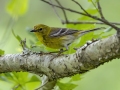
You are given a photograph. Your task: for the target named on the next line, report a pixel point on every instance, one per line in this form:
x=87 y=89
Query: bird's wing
x=56 y=32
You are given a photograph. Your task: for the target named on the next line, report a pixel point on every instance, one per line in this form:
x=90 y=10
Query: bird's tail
x=95 y=29
x=87 y=31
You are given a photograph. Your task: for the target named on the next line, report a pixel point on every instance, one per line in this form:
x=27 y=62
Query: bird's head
x=40 y=29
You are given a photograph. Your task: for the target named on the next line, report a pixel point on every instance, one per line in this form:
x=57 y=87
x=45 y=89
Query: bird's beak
x=33 y=31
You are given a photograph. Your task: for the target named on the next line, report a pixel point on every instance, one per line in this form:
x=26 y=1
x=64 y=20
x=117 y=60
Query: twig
x=80 y=6
x=56 y=12
x=94 y=5
x=100 y=10
x=91 y=16
x=23 y=44
x=65 y=15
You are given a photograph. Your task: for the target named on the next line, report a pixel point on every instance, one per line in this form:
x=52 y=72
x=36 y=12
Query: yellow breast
x=50 y=42
x=54 y=43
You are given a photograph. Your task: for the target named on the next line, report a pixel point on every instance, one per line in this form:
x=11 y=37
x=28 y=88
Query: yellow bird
x=58 y=38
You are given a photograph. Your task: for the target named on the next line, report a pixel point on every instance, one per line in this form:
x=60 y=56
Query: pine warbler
x=58 y=38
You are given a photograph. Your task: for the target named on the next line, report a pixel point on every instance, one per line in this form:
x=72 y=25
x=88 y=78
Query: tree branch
x=62 y=66
x=83 y=60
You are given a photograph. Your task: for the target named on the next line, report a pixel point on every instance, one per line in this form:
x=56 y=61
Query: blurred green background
x=105 y=77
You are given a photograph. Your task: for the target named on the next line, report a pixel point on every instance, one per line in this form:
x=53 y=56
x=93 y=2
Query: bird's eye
x=40 y=29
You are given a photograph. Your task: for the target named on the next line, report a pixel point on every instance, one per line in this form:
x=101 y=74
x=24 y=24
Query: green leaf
x=66 y=86
x=16 y=36
x=6 y=77
x=75 y=78
x=21 y=80
x=34 y=78
x=92 y=11
x=2 y=52
x=17 y=7
x=3 y=78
